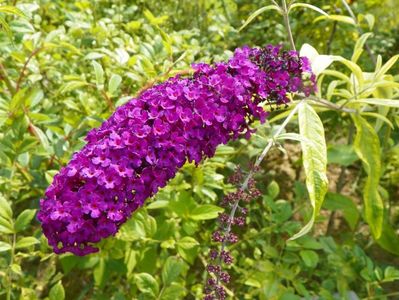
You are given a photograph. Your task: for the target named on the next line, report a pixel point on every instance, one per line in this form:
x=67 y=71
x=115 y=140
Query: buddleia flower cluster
x=145 y=142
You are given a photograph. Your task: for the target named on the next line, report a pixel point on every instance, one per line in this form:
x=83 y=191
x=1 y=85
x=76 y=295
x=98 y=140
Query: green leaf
x=389 y=239
x=292 y=136
x=147 y=284
x=26 y=242
x=41 y=136
x=8 y=9
x=188 y=248
x=356 y=70
x=187 y=242
x=4 y=26
x=99 y=72
x=343 y=155
x=385 y=68
x=16 y=268
x=57 y=292
x=314 y=158
x=114 y=83
x=18 y=100
x=6 y=226
x=309 y=257
x=140 y=226
x=157 y=204
x=24 y=219
x=391 y=274
x=367 y=147
x=5 y=209
x=306 y=5
x=171 y=270
x=370 y=19
x=338 y=18
x=130 y=261
x=166 y=41
x=380 y=119
x=173 y=292
x=205 y=212
x=257 y=13
x=380 y=102
x=346 y=205
x=71 y=86
x=273 y=189
x=4 y=246
x=359 y=46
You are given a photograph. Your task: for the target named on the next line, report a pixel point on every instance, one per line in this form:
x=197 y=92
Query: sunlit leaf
x=367 y=147
x=257 y=13
x=314 y=158
x=205 y=212
x=57 y=292
x=26 y=242
x=310 y=6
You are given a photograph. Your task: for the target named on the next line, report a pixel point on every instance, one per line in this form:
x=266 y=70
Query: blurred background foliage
x=65 y=66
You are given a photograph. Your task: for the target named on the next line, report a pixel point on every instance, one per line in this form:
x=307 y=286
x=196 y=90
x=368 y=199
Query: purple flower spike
x=145 y=142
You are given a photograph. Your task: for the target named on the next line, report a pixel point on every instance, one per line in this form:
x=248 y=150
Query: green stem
x=7 y=81
x=244 y=185
x=9 y=288
x=284 y=10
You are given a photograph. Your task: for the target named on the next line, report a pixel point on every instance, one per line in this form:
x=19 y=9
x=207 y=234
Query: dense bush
x=65 y=66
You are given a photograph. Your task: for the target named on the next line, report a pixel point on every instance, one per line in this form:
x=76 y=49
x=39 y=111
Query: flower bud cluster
x=219 y=256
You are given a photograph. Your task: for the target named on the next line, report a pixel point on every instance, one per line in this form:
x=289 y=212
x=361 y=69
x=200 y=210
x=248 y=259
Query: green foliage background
x=65 y=66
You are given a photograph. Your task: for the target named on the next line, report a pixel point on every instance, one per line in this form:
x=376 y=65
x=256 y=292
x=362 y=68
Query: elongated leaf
x=26 y=242
x=306 y=5
x=114 y=83
x=314 y=161
x=41 y=136
x=8 y=9
x=72 y=85
x=367 y=147
x=380 y=118
x=338 y=18
x=99 y=72
x=294 y=137
x=4 y=246
x=205 y=212
x=356 y=70
x=257 y=13
x=385 y=68
x=359 y=46
x=4 y=26
x=382 y=102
